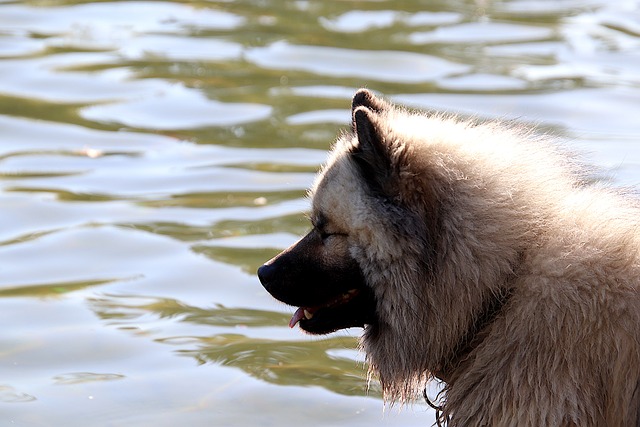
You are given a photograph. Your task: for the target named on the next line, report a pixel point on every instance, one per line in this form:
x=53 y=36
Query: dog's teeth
x=308 y=314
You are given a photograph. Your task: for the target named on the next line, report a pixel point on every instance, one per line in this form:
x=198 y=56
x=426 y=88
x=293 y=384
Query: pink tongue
x=299 y=314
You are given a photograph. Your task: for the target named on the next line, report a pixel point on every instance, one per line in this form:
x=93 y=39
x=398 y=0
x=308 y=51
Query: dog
x=481 y=254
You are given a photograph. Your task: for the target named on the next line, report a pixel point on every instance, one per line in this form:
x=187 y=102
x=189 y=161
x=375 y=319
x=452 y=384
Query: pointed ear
x=370 y=153
x=366 y=98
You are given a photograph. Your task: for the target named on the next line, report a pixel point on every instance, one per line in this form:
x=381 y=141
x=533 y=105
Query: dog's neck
x=474 y=337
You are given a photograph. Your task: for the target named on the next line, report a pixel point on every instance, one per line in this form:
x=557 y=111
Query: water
x=154 y=154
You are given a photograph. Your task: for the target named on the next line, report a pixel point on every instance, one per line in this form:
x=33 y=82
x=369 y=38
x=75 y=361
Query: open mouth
x=330 y=297
x=353 y=308
x=308 y=312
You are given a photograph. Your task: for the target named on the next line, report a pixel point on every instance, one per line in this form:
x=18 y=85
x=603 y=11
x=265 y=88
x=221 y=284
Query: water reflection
x=287 y=363
x=184 y=108
x=8 y=394
x=385 y=66
x=85 y=377
x=50 y=290
x=154 y=154
x=319 y=363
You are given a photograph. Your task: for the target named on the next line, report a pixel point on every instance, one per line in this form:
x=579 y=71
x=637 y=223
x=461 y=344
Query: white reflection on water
x=106 y=20
x=387 y=66
x=483 y=33
x=181 y=107
x=356 y=21
x=45 y=78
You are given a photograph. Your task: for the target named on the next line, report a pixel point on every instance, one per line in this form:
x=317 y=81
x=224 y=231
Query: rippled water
x=154 y=154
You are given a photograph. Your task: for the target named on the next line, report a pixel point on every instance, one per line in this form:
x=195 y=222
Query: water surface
x=154 y=154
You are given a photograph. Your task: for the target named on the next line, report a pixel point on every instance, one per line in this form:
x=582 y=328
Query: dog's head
x=319 y=275
x=325 y=272
x=412 y=214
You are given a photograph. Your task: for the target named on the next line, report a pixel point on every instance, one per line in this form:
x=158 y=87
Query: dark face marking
x=319 y=275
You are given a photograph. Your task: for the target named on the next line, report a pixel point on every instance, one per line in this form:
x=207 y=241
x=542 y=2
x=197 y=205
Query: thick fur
x=492 y=264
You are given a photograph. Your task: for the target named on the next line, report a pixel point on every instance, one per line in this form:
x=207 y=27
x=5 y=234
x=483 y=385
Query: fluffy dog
x=478 y=254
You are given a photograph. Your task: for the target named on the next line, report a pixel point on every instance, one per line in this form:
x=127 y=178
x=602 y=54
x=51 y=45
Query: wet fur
x=492 y=265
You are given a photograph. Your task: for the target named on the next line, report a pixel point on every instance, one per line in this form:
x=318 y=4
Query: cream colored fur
x=480 y=210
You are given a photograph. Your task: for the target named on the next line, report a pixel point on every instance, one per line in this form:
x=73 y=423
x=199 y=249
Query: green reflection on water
x=303 y=363
x=224 y=199
x=43 y=110
x=65 y=195
x=48 y=290
x=273 y=167
x=129 y=307
x=296 y=224
x=247 y=259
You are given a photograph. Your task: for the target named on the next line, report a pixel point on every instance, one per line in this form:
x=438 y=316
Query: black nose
x=265 y=274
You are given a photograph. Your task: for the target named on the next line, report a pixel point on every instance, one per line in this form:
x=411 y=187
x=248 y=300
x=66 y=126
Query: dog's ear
x=366 y=98
x=370 y=152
